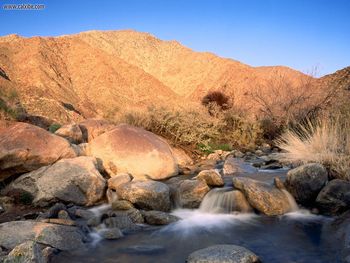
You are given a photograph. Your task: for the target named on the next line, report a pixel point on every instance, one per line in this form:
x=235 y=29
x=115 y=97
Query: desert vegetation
x=325 y=141
x=196 y=127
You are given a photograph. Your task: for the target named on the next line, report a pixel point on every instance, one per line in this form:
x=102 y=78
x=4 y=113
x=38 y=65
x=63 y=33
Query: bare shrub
x=326 y=141
x=215 y=100
x=282 y=102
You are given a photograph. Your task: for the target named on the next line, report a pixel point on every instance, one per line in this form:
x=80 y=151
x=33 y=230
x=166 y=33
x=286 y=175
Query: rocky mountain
x=99 y=73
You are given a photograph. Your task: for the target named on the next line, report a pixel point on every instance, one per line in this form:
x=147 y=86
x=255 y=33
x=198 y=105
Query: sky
x=307 y=35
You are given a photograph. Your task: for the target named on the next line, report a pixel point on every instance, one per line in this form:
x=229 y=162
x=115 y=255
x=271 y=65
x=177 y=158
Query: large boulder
x=71 y=132
x=264 y=197
x=223 y=254
x=62 y=237
x=24 y=148
x=334 y=198
x=128 y=149
x=190 y=193
x=92 y=128
x=211 y=177
x=147 y=195
x=306 y=181
x=75 y=180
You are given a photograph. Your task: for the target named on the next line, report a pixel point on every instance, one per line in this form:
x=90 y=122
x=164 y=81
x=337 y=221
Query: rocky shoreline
x=50 y=182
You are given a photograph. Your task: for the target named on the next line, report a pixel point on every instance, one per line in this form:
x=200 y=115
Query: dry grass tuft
x=326 y=141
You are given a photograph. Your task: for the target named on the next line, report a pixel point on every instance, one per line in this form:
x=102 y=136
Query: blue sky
x=301 y=34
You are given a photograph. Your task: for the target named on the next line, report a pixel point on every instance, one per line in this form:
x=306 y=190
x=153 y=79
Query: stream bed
x=294 y=237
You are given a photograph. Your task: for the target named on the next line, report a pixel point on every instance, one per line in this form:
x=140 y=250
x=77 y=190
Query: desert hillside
x=99 y=73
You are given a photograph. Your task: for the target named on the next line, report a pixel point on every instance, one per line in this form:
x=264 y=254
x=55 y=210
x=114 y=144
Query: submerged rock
x=336 y=237
x=74 y=180
x=264 y=197
x=25 y=148
x=147 y=195
x=128 y=149
x=110 y=233
x=306 y=181
x=334 y=198
x=223 y=254
x=211 y=177
x=158 y=217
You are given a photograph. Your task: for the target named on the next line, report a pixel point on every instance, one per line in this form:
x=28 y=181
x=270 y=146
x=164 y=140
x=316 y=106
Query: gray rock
x=334 y=198
x=158 y=218
x=190 y=193
x=230 y=166
x=223 y=254
x=147 y=195
x=29 y=252
x=110 y=233
x=211 y=177
x=306 y=181
x=62 y=237
x=122 y=221
x=264 y=197
x=74 y=180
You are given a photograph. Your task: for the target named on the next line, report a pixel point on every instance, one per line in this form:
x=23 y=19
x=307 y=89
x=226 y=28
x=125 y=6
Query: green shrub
x=54 y=127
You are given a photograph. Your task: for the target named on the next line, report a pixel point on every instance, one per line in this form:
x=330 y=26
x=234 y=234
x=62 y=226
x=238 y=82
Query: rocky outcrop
x=24 y=148
x=263 y=197
x=71 y=132
x=147 y=195
x=334 y=198
x=75 y=180
x=211 y=177
x=306 y=181
x=190 y=193
x=92 y=128
x=223 y=254
x=128 y=149
x=62 y=237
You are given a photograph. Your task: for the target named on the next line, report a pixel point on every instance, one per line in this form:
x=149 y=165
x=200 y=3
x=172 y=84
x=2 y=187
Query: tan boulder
x=264 y=197
x=92 y=128
x=25 y=147
x=75 y=180
x=71 y=132
x=133 y=150
x=211 y=177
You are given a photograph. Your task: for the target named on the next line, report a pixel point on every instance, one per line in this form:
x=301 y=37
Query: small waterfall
x=224 y=201
x=293 y=205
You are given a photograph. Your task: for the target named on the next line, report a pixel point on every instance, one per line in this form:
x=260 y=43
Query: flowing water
x=293 y=237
